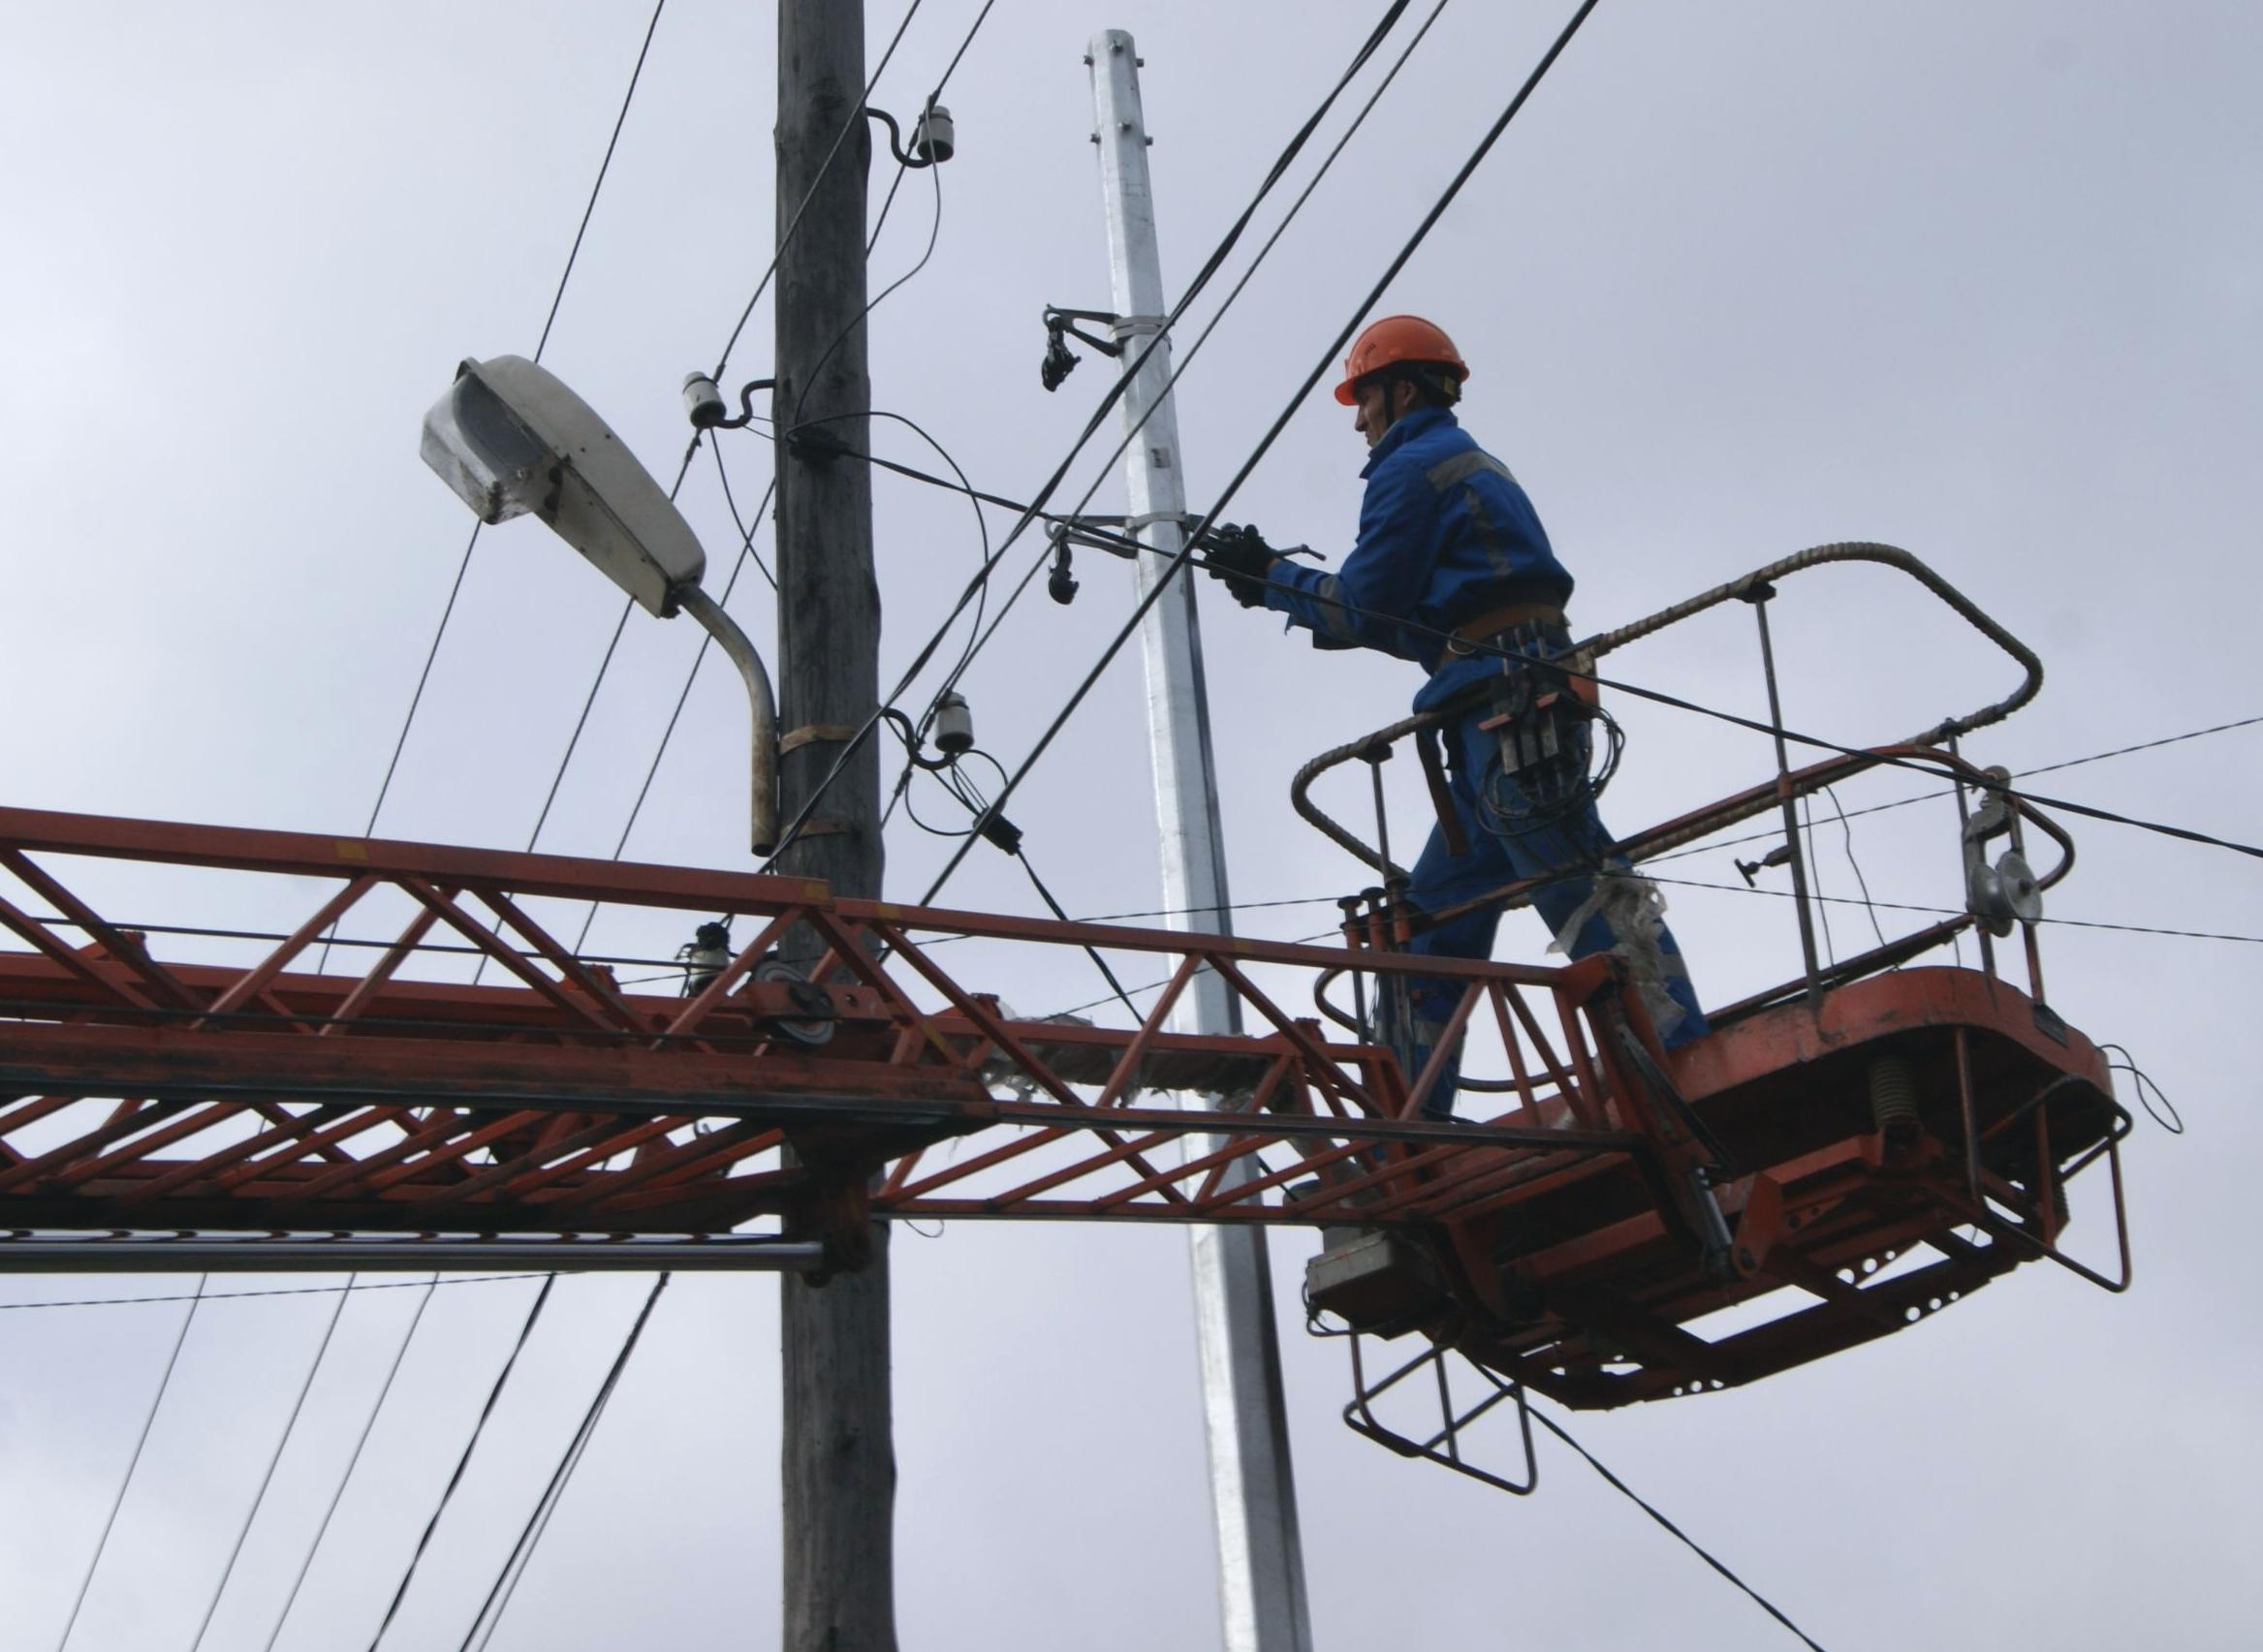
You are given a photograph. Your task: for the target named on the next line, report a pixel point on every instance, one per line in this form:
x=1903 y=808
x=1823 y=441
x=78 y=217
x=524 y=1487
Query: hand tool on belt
x=1538 y=711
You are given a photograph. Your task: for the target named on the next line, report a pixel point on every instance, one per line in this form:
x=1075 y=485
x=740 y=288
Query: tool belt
x=1488 y=627
x=1537 y=709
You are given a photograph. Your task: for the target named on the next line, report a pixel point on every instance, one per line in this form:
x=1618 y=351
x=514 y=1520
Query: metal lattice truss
x=149 y=1089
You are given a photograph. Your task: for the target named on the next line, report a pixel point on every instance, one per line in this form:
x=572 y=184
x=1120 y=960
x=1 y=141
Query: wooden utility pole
x=839 y=1459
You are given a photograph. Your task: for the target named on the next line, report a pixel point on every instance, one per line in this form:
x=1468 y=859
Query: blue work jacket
x=1446 y=534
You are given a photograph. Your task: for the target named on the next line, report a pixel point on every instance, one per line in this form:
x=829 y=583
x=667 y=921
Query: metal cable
x=538 y=1521
x=2017 y=774
x=1861 y=883
x=141 y=1440
x=1035 y=511
x=855 y=120
x=1185 y=553
x=557 y=297
x=274 y=1459
x=494 y=1393
x=748 y=529
x=285 y=1290
x=1492 y=650
x=353 y=1462
x=1620 y=1485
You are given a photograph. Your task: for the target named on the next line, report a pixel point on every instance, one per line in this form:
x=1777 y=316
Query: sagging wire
x=1651 y=1510
x=1924 y=764
x=1182 y=363
x=1115 y=391
x=471 y=543
x=2174 y=1123
x=463 y=1462
x=855 y=118
x=361 y=1441
x=1180 y=558
x=285 y=1291
x=134 y=1462
x=2017 y=774
x=1823 y=902
x=282 y=1444
x=1861 y=883
x=521 y=1555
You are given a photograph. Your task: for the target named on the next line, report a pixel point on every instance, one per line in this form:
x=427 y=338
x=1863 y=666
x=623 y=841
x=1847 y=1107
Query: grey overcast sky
x=1982 y=279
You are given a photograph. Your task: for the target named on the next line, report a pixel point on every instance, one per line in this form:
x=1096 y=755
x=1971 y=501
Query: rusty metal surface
x=142 y=1093
x=1583 y=1236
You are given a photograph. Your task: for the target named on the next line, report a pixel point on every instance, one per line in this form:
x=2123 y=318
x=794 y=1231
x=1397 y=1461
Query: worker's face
x=1381 y=403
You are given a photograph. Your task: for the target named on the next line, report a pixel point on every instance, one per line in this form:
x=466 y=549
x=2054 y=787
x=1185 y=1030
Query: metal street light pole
x=1252 y=1489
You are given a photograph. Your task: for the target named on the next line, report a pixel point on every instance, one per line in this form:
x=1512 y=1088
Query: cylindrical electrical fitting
x=705 y=958
x=953 y=724
x=703 y=399
x=1893 y=1092
x=933 y=138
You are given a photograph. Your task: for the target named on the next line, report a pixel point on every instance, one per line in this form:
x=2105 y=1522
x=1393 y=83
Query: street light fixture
x=511 y=440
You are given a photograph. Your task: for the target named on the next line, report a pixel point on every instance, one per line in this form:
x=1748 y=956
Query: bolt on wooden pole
x=839 y=1458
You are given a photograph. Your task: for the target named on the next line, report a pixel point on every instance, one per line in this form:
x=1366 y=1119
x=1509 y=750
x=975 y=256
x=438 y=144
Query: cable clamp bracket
x=1121 y=327
x=810 y=734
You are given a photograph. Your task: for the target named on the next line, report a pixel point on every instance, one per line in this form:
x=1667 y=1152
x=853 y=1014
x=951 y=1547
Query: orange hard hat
x=1397 y=339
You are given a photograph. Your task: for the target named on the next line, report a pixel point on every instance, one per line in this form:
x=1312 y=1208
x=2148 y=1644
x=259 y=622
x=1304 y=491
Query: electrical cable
x=353 y=1462
x=1814 y=872
x=855 y=120
x=2174 y=1123
x=1928 y=797
x=559 y=779
x=514 y=1564
x=1184 y=554
x=1108 y=401
x=274 y=1459
x=111 y=1520
x=785 y=238
x=934 y=230
x=1481 y=648
x=1861 y=883
x=206 y=933
x=745 y=531
x=285 y=1291
x=494 y=1393
x=748 y=529
x=1627 y=1491
x=1093 y=952
x=1181 y=363
x=975 y=497
x=557 y=297
x=1955 y=911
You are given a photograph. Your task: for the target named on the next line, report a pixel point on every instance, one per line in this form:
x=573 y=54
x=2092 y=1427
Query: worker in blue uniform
x=1454 y=572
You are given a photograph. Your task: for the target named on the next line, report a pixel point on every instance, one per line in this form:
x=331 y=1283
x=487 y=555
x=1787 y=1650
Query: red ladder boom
x=274 y=1110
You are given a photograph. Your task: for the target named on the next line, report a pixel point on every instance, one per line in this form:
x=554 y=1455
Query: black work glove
x=1241 y=557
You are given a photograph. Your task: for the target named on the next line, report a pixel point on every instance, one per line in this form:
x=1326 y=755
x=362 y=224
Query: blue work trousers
x=1572 y=840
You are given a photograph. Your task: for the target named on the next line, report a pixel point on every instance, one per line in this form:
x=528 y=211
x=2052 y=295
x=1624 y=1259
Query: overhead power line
x=1184 y=554
x=855 y=120
x=1950 y=792
x=494 y=1393
x=282 y=1443
x=1627 y=1491
x=141 y=1440
x=202 y=1295
x=538 y=1520
x=557 y=297
x=748 y=529
x=353 y=1462
x=1035 y=510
